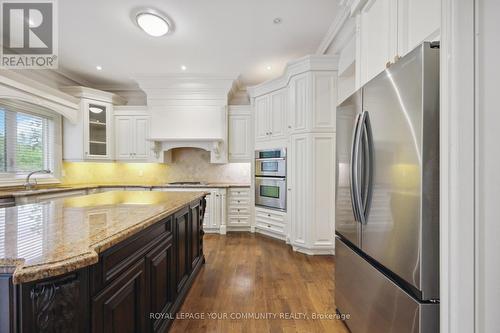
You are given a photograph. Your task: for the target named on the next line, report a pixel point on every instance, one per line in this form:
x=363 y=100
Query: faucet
x=29 y=186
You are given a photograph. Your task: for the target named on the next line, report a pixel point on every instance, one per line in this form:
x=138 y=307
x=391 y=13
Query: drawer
x=115 y=260
x=270 y=215
x=238 y=210
x=239 y=192
x=270 y=227
x=238 y=221
x=239 y=201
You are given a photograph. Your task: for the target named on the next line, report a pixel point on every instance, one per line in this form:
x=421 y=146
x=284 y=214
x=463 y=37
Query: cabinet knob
x=268 y=215
x=238 y=201
x=269 y=226
x=290 y=126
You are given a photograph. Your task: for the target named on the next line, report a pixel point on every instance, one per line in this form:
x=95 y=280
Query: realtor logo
x=29 y=34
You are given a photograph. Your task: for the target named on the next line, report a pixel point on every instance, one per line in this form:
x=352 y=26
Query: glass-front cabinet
x=98 y=130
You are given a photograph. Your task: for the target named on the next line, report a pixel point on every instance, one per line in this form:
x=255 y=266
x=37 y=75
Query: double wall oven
x=270 y=178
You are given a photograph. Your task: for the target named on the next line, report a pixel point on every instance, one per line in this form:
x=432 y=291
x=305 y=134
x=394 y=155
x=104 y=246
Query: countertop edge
x=74 y=187
x=25 y=274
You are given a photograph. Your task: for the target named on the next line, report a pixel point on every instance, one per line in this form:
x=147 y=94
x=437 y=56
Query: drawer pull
x=268 y=215
x=269 y=226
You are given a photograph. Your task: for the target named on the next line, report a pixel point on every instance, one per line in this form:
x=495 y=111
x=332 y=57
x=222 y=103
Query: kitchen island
x=110 y=262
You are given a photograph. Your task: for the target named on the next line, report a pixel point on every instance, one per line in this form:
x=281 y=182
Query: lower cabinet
x=137 y=285
x=182 y=262
x=121 y=306
x=160 y=276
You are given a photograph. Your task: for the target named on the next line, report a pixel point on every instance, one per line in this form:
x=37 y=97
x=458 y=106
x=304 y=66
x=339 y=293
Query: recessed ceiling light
x=183 y=67
x=277 y=20
x=99 y=68
x=269 y=68
x=153 y=22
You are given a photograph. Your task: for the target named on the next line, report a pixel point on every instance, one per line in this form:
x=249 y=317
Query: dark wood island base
x=137 y=285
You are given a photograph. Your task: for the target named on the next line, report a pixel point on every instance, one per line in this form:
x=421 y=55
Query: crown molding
x=95 y=94
x=295 y=67
x=337 y=24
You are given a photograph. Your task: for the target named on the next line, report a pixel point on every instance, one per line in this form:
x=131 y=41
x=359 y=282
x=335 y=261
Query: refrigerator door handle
x=358 y=200
x=354 y=168
x=368 y=166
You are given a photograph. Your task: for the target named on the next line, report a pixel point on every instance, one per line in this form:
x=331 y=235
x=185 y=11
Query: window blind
x=26 y=138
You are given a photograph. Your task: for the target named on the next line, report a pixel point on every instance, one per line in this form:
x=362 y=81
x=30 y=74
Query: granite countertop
x=14 y=192
x=62 y=235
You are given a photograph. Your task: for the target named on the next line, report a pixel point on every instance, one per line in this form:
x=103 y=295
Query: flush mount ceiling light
x=98 y=67
x=153 y=22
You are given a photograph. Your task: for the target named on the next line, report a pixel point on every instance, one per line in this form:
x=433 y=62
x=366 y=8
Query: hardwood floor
x=252 y=274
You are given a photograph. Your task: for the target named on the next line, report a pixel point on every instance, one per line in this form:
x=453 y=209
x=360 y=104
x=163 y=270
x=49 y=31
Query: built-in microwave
x=270 y=163
x=270 y=192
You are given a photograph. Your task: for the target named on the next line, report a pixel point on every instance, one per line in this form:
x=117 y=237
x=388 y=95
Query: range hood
x=188 y=111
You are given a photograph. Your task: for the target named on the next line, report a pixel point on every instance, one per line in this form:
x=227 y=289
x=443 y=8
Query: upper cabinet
x=312 y=102
x=97 y=130
x=240 y=133
x=132 y=134
x=377 y=37
x=91 y=136
x=418 y=21
x=270 y=112
x=389 y=29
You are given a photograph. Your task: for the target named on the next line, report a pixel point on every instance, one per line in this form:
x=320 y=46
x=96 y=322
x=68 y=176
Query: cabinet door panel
x=277 y=113
x=299 y=103
x=418 y=21
x=183 y=262
x=378 y=35
x=141 y=133
x=123 y=137
x=195 y=234
x=160 y=265
x=240 y=147
x=261 y=117
x=121 y=306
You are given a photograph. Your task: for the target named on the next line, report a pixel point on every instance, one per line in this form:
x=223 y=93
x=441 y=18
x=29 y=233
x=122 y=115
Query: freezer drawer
x=373 y=302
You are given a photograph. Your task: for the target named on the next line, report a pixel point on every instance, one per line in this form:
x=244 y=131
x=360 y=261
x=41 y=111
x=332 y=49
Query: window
x=27 y=135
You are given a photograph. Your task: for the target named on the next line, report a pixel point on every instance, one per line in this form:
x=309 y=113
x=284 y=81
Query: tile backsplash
x=188 y=164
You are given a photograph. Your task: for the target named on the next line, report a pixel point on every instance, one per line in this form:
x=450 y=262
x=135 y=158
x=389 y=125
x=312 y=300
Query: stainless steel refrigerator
x=387 y=199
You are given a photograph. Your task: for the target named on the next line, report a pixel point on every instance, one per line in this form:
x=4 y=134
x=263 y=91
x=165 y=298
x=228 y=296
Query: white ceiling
x=235 y=37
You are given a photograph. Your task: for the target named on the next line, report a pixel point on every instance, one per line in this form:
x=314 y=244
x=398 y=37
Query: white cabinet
x=418 y=21
x=389 y=29
x=91 y=137
x=240 y=133
x=238 y=209
x=131 y=134
x=311 y=192
x=378 y=37
x=312 y=102
x=270 y=222
x=270 y=116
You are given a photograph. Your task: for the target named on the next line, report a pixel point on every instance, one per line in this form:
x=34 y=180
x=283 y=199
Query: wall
x=188 y=164
x=487 y=166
